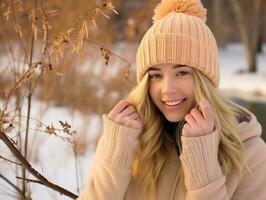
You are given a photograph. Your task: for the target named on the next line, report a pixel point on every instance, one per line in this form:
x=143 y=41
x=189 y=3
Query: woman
x=177 y=137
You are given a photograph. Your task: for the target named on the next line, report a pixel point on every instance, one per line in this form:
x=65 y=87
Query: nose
x=168 y=86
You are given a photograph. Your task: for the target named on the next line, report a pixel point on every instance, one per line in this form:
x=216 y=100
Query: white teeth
x=173 y=103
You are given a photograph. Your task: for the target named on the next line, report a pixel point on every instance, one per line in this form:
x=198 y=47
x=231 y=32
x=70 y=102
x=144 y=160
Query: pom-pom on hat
x=179 y=35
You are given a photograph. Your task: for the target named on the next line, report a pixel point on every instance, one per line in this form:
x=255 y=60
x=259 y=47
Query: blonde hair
x=151 y=153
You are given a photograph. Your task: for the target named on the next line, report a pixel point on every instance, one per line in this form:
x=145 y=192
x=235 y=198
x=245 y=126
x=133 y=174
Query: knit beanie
x=179 y=35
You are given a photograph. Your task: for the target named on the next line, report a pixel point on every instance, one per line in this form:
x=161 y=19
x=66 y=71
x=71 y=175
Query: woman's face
x=171 y=88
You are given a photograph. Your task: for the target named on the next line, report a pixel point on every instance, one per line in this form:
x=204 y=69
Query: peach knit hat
x=179 y=35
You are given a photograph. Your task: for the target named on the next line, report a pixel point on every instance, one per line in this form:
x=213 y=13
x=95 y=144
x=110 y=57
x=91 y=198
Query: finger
x=127 y=111
x=136 y=124
x=134 y=116
x=197 y=115
x=119 y=107
x=127 y=121
x=206 y=109
x=190 y=120
x=187 y=126
x=185 y=130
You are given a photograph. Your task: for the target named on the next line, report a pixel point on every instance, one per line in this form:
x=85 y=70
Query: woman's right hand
x=124 y=113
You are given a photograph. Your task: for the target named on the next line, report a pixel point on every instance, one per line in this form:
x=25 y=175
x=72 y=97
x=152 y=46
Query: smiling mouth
x=173 y=103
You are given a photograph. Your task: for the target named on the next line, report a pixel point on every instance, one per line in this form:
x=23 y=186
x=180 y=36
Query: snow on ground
x=57 y=161
x=54 y=158
x=57 y=157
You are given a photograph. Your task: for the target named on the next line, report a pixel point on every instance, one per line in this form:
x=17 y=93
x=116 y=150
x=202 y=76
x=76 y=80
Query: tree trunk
x=261 y=28
x=260 y=40
x=254 y=31
x=251 y=58
x=248 y=20
x=218 y=22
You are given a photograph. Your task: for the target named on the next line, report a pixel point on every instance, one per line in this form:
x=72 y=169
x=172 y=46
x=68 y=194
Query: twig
x=90 y=14
x=46 y=34
x=116 y=55
x=14 y=24
x=100 y=46
x=26 y=139
x=30 y=180
x=23 y=77
x=29 y=96
x=14 y=186
x=10 y=161
x=31 y=170
x=76 y=165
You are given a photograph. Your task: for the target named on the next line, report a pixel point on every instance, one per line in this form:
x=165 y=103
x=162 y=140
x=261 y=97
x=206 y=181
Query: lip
x=173 y=108
x=164 y=100
x=171 y=100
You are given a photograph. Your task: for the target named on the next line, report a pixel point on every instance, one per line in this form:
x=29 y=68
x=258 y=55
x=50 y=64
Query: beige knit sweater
x=110 y=175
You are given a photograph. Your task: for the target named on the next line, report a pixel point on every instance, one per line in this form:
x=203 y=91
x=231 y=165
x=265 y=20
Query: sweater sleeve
x=252 y=184
x=111 y=171
x=202 y=173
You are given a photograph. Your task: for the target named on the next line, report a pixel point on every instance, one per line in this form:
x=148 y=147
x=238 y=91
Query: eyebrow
x=173 y=67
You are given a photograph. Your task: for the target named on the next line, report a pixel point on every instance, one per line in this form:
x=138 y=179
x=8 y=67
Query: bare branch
x=10 y=161
x=31 y=170
x=30 y=180
x=14 y=186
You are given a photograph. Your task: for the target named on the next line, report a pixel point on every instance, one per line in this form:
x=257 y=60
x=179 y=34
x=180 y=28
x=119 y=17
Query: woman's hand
x=200 y=121
x=125 y=114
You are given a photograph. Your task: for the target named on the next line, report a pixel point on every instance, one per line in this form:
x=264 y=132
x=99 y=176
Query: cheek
x=190 y=93
x=188 y=88
x=154 y=92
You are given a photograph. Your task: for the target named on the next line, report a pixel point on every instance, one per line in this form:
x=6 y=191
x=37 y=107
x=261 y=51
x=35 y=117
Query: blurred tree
x=248 y=20
x=217 y=25
x=134 y=18
x=261 y=27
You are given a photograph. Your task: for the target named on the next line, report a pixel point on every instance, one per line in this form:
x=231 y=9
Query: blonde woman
x=176 y=137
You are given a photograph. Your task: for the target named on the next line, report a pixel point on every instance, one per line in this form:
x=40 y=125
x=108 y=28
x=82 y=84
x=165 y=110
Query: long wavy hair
x=151 y=152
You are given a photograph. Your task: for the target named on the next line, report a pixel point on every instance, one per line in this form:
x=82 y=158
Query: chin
x=173 y=118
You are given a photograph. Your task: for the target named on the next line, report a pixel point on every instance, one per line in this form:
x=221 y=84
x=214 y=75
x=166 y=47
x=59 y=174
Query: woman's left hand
x=200 y=121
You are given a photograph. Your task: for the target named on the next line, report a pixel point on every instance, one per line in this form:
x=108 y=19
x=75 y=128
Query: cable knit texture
x=200 y=160
x=110 y=177
x=119 y=144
